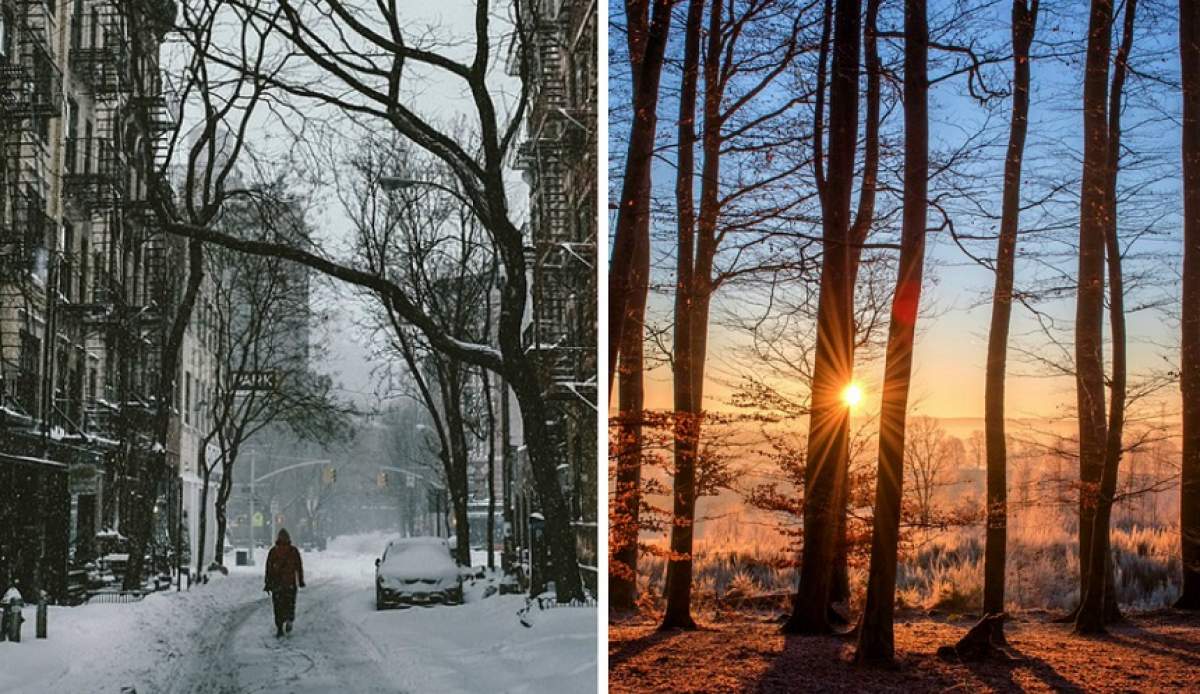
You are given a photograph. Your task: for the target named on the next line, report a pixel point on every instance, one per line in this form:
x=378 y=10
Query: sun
x=852 y=395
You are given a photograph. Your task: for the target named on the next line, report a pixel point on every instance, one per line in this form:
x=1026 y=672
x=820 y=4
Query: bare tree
x=262 y=319
x=825 y=472
x=1024 y=24
x=631 y=285
x=1189 y=497
x=875 y=638
x=1089 y=311
x=750 y=45
x=332 y=58
x=1098 y=603
x=425 y=240
x=210 y=156
x=629 y=267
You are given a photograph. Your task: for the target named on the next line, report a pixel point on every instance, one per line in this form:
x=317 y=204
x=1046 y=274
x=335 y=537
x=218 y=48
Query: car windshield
x=428 y=546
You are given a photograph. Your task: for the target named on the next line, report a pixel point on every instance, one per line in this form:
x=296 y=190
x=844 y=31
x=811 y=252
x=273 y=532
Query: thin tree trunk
x=222 y=505
x=875 y=636
x=1189 y=361
x=1089 y=311
x=863 y=218
x=632 y=232
x=1099 y=602
x=687 y=389
x=491 y=466
x=627 y=498
x=1024 y=24
x=825 y=470
x=203 y=534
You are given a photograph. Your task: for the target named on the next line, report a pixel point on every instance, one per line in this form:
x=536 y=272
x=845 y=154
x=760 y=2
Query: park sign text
x=254 y=380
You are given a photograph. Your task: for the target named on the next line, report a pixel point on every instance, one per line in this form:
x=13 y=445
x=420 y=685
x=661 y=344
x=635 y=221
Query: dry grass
x=944 y=570
x=1157 y=652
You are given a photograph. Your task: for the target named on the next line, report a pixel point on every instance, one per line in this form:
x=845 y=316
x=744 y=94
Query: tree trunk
x=863 y=218
x=633 y=218
x=222 y=505
x=203 y=534
x=627 y=498
x=688 y=365
x=1099 y=602
x=875 y=637
x=1089 y=311
x=825 y=471
x=1024 y=23
x=491 y=467
x=1189 y=362
x=450 y=377
x=153 y=467
x=560 y=536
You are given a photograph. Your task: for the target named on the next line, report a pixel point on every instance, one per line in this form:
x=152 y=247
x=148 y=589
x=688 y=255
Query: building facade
x=87 y=283
x=558 y=161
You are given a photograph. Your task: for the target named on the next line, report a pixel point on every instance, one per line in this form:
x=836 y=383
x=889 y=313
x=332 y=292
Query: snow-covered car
x=417 y=571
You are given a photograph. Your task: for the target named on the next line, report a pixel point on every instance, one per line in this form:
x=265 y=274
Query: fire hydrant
x=10 y=622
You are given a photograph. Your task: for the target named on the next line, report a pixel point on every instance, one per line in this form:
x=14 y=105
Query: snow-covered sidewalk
x=220 y=637
x=102 y=648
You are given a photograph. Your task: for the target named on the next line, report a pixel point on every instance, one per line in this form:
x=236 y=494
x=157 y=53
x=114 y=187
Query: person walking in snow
x=285 y=572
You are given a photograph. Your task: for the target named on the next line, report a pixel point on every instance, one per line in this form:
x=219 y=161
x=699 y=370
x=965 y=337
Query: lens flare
x=852 y=395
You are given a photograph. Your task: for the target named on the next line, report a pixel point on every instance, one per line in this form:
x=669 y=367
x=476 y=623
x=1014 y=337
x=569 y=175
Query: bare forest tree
x=875 y=639
x=735 y=116
x=1024 y=24
x=629 y=267
x=1098 y=601
x=825 y=470
x=629 y=277
x=1189 y=498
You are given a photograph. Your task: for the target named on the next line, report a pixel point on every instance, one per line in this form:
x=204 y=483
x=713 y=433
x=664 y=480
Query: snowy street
x=220 y=638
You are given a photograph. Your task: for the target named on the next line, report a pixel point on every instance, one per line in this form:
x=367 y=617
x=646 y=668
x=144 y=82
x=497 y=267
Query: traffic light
x=330 y=475
x=381 y=480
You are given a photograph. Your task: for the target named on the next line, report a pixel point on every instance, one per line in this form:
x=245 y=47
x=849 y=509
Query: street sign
x=246 y=381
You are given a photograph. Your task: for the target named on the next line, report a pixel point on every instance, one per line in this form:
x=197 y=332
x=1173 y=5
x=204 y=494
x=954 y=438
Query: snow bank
x=102 y=648
x=482 y=646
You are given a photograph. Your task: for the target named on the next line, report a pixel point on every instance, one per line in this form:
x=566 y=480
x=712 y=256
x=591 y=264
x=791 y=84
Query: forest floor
x=1155 y=652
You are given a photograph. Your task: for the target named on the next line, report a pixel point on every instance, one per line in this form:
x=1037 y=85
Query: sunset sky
x=952 y=338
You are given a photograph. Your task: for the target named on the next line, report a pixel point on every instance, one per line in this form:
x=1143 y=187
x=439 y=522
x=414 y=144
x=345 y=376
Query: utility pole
x=253 y=455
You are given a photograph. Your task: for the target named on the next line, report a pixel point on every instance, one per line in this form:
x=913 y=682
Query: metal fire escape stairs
x=30 y=96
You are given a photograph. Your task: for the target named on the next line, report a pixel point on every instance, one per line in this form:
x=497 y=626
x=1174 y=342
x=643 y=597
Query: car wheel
x=378 y=600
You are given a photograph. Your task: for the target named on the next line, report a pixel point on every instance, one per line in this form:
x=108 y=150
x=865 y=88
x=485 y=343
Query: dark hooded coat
x=284 y=568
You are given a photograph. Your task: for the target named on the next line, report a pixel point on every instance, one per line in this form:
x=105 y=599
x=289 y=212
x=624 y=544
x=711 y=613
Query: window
x=187 y=399
x=5 y=24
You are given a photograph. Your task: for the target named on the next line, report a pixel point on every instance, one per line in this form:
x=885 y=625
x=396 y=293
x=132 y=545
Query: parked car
x=417 y=571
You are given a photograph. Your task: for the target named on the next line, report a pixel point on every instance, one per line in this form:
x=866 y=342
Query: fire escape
x=30 y=96
x=562 y=250
x=98 y=182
